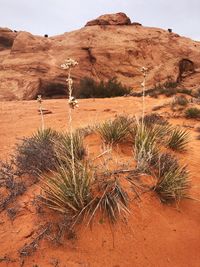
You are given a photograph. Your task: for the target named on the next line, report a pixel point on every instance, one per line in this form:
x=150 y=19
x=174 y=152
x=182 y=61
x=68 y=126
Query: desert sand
x=153 y=234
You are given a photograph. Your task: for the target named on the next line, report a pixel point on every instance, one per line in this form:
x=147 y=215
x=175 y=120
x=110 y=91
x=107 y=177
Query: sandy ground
x=153 y=235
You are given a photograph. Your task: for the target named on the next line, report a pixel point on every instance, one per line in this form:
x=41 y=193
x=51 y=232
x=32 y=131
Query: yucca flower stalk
x=39 y=100
x=143 y=84
x=68 y=65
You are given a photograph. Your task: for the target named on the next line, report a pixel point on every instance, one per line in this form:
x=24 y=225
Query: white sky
x=57 y=16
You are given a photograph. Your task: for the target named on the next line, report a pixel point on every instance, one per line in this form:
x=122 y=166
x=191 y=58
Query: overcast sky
x=57 y=16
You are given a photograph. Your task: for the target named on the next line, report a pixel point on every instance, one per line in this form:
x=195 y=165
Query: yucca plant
x=112 y=200
x=178 y=139
x=115 y=131
x=145 y=146
x=63 y=147
x=173 y=183
x=63 y=193
x=36 y=154
x=163 y=162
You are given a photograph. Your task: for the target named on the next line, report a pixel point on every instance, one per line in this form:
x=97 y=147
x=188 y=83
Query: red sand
x=154 y=234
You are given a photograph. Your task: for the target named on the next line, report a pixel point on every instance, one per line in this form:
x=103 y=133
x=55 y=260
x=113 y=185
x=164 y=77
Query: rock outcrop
x=30 y=65
x=111 y=19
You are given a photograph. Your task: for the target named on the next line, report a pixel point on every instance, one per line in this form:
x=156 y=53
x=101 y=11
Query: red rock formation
x=30 y=65
x=110 y=19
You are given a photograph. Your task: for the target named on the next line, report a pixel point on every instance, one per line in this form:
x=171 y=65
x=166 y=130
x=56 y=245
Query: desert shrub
x=9 y=179
x=173 y=182
x=88 y=88
x=66 y=192
x=154 y=118
x=36 y=154
x=180 y=100
x=115 y=131
x=178 y=139
x=112 y=200
x=192 y=113
x=63 y=147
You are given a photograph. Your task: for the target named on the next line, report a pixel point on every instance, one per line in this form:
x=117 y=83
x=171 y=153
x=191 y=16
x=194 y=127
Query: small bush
x=178 y=139
x=173 y=183
x=115 y=131
x=36 y=154
x=88 y=88
x=192 y=113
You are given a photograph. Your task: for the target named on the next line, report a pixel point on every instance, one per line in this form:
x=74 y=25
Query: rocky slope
x=106 y=47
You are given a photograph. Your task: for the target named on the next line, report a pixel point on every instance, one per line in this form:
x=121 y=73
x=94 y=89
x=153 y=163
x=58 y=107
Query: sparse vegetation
x=63 y=147
x=63 y=193
x=112 y=201
x=36 y=154
x=154 y=118
x=178 y=139
x=173 y=183
x=145 y=146
x=88 y=88
x=115 y=131
x=192 y=113
x=180 y=100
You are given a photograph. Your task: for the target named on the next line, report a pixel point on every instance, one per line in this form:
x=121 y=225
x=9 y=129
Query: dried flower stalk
x=68 y=65
x=39 y=100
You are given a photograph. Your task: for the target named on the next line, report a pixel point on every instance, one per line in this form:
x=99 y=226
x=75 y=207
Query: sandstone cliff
x=106 y=47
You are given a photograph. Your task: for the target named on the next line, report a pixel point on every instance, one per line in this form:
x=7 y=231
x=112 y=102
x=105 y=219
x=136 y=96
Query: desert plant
x=63 y=146
x=178 y=139
x=36 y=154
x=145 y=146
x=173 y=183
x=88 y=88
x=180 y=100
x=67 y=190
x=115 y=131
x=154 y=118
x=112 y=200
x=192 y=113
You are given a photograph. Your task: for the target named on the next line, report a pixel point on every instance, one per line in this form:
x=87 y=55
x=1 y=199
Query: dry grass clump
x=115 y=131
x=63 y=146
x=173 y=182
x=178 y=139
x=36 y=154
x=192 y=113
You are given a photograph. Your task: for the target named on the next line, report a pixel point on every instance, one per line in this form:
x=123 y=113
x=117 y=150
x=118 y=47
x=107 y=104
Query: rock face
x=110 y=19
x=30 y=65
